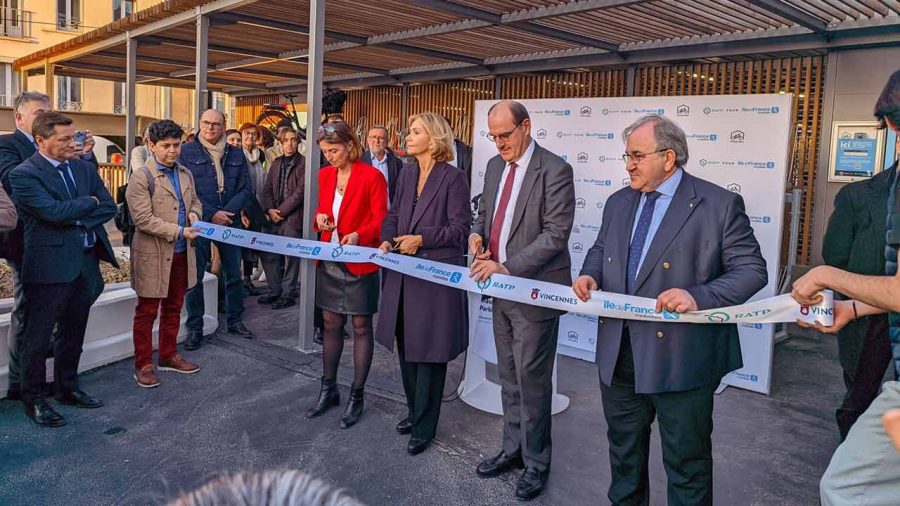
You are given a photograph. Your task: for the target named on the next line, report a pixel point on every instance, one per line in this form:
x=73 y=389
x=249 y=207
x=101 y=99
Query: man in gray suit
x=524 y=217
x=688 y=244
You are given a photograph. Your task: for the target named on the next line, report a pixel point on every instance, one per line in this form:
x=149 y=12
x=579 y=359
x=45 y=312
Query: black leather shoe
x=239 y=329
x=267 y=299
x=500 y=464
x=42 y=414
x=79 y=399
x=283 y=303
x=317 y=336
x=193 y=341
x=531 y=483
x=250 y=290
x=354 y=410
x=13 y=393
x=405 y=426
x=417 y=446
x=329 y=397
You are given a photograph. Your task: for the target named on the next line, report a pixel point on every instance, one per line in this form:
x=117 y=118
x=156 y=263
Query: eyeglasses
x=639 y=157
x=209 y=125
x=505 y=135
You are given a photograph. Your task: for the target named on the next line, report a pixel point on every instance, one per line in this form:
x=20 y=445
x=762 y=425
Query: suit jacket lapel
x=25 y=145
x=878 y=198
x=531 y=177
x=350 y=190
x=434 y=181
x=622 y=233
x=683 y=204
x=490 y=191
x=52 y=176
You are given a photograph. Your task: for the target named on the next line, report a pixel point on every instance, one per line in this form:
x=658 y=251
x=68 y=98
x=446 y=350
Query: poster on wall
x=738 y=142
x=857 y=150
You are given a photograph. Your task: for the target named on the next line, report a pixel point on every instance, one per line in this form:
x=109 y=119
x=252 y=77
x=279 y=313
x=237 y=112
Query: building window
x=9 y=84
x=68 y=93
x=122 y=9
x=14 y=22
x=120 y=101
x=68 y=14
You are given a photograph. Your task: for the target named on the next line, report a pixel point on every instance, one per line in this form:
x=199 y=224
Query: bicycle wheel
x=270 y=118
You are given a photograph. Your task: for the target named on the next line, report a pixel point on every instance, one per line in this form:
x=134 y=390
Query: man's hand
x=275 y=216
x=843 y=314
x=891 y=422
x=807 y=289
x=583 y=286
x=475 y=247
x=676 y=300
x=190 y=233
x=351 y=239
x=193 y=218
x=385 y=247
x=245 y=220
x=482 y=269
x=89 y=142
x=408 y=244
x=324 y=222
x=222 y=218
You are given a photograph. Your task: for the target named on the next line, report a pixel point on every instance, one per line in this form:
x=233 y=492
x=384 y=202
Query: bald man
x=222 y=180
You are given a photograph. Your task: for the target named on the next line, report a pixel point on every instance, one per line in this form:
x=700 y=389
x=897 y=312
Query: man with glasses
x=222 y=181
x=522 y=228
x=688 y=244
x=381 y=158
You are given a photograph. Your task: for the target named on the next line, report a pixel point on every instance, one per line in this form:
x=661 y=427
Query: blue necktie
x=638 y=240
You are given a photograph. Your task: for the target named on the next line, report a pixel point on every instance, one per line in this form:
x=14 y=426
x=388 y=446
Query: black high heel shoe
x=329 y=397
x=354 y=409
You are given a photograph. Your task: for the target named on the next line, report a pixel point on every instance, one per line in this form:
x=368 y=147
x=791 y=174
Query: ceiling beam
x=156 y=74
x=357 y=68
x=793 y=14
x=219 y=48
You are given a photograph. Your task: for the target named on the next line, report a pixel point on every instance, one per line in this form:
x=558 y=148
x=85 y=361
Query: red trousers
x=169 y=319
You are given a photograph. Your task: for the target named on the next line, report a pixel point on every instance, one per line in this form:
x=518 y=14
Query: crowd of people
x=669 y=236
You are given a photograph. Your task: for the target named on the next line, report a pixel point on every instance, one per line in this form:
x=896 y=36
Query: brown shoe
x=146 y=377
x=177 y=363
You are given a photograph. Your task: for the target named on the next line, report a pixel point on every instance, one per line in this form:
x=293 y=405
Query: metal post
x=130 y=86
x=201 y=91
x=404 y=106
x=629 y=80
x=311 y=192
x=498 y=88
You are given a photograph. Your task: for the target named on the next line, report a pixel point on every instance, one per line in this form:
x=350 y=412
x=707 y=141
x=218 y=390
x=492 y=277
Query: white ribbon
x=779 y=309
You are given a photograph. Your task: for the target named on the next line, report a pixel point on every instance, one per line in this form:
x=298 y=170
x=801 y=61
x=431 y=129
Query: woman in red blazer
x=352 y=204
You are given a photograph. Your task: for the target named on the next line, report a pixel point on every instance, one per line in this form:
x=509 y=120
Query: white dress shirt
x=335 y=210
x=521 y=166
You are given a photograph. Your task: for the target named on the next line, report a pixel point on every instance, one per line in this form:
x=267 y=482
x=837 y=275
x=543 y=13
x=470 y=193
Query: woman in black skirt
x=352 y=205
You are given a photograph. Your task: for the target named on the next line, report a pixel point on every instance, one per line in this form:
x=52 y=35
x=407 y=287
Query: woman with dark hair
x=352 y=205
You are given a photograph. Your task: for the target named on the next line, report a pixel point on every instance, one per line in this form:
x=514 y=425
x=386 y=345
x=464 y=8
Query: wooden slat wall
x=246 y=109
x=113 y=177
x=455 y=100
x=368 y=107
x=603 y=83
x=801 y=76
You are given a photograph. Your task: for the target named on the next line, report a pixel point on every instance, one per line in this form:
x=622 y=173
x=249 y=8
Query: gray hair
x=667 y=133
x=271 y=488
x=29 y=96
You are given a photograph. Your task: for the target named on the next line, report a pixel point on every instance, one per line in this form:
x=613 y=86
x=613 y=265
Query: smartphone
x=80 y=136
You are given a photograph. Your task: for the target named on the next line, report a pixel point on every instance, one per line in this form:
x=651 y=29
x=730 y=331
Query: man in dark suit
x=525 y=218
x=854 y=241
x=381 y=158
x=64 y=204
x=15 y=148
x=688 y=244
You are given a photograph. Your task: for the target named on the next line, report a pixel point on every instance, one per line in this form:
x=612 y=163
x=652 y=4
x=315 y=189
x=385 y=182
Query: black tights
x=333 y=345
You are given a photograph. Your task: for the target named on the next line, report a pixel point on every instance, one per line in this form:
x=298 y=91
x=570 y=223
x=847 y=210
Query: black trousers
x=423 y=384
x=864 y=380
x=685 y=425
x=70 y=305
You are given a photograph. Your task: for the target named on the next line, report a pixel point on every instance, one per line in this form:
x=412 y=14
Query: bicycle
x=273 y=114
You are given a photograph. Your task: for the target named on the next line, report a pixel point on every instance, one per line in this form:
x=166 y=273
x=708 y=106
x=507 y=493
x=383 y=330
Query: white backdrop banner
x=739 y=142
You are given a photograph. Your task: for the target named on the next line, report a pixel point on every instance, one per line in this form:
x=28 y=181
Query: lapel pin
x=666 y=265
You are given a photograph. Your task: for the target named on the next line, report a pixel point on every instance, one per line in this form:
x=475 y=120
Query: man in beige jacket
x=163 y=205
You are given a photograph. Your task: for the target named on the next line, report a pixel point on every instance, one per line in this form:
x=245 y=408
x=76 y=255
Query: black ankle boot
x=354 y=409
x=329 y=397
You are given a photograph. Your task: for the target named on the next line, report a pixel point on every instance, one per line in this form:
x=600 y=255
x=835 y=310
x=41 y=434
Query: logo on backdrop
x=582 y=157
x=683 y=110
x=580 y=203
x=573 y=336
x=738 y=136
x=577 y=247
x=734 y=187
x=585 y=112
x=541 y=134
x=626 y=181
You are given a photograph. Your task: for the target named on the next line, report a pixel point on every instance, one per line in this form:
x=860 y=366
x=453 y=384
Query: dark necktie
x=639 y=238
x=63 y=169
x=500 y=215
